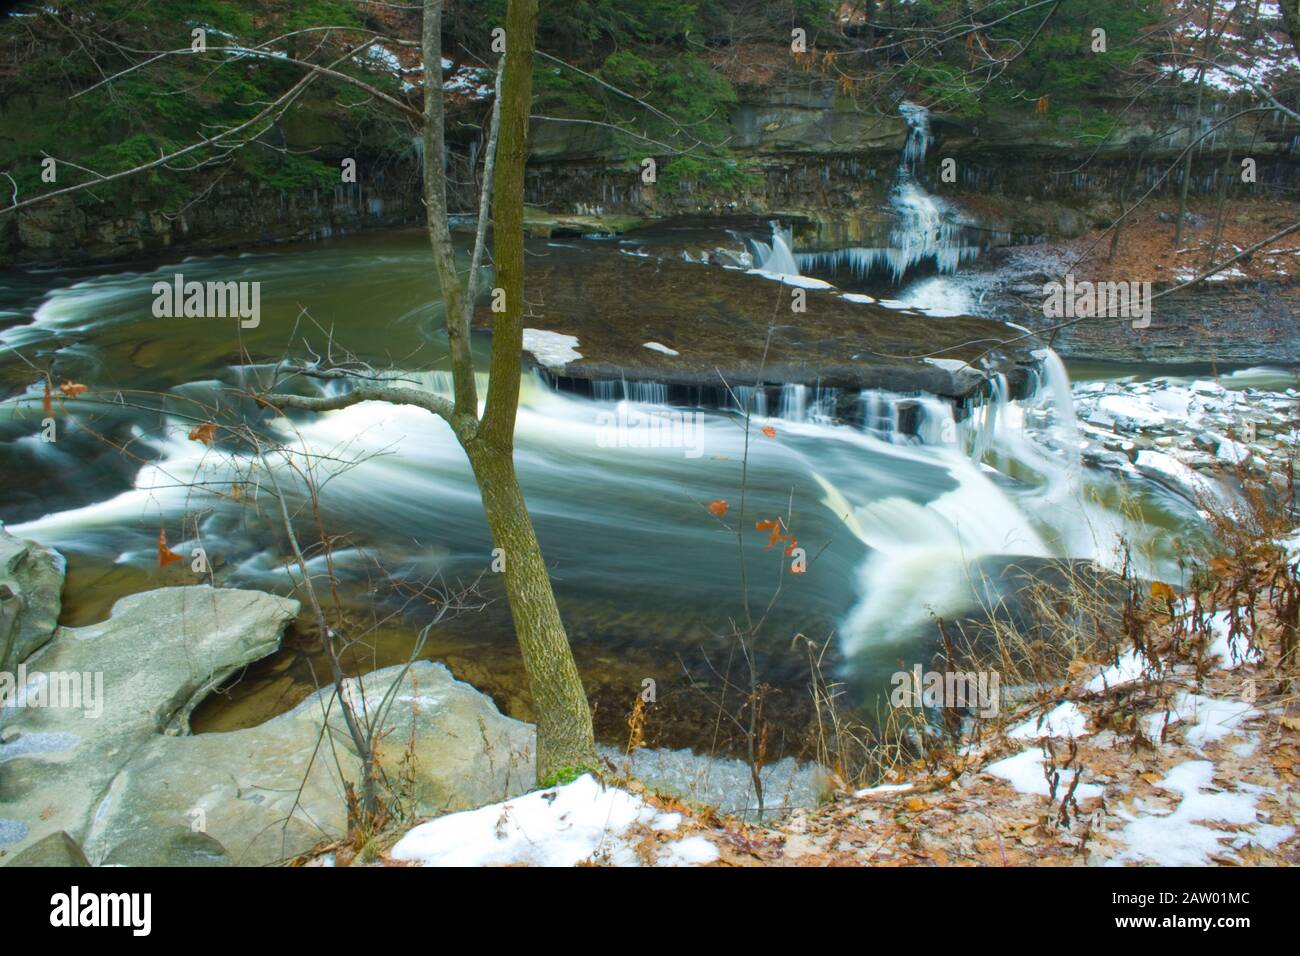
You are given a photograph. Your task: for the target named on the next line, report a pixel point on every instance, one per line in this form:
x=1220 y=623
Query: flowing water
x=924 y=231
x=892 y=513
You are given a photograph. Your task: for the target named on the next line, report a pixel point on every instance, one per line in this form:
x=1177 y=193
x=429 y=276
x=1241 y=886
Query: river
x=648 y=579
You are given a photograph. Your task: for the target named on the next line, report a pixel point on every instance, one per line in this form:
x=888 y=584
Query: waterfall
x=1061 y=399
x=640 y=393
x=776 y=258
x=922 y=231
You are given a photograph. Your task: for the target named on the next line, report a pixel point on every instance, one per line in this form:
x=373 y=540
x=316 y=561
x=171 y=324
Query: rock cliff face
x=818 y=157
x=229 y=217
x=833 y=160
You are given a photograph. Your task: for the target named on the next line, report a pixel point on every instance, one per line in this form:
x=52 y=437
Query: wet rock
x=614 y=296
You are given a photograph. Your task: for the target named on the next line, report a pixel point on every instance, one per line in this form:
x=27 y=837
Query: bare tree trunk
x=564 y=732
x=435 y=201
x=1187 y=161
x=1130 y=177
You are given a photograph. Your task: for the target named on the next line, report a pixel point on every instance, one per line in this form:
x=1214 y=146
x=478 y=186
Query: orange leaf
x=71 y=389
x=773 y=527
x=794 y=543
x=166 y=555
x=206 y=433
x=718 y=507
x=769 y=431
x=1163 y=592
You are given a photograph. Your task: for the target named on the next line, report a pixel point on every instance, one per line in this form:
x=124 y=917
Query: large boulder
x=270 y=792
x=114 y=687
x=31 y=588
x=124 y=777
x=446 y=740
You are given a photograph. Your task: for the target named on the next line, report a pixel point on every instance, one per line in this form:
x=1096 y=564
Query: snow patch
x=1131 y=665
x=659 y=347
x=1181 y=838
x=1024 y=771
x=1066 y=720
x=552 y=349
x=558 y=827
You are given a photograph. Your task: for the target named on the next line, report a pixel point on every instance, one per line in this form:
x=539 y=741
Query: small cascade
x=1065 y=422
x=923 y=231
x=997 y=427
x=621 y=390
x=985 y=419
x=777 y=257
x=752 y=400
x=912 y=418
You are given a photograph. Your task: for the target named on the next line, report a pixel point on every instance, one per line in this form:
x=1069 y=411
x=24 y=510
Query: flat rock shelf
x=614 y=297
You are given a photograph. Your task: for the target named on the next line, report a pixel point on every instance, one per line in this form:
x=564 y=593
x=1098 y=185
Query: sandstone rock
x=137 y=675
x=31 y=586
x=250 y=790
x=57 y=849
x=121 y=773
x=463 y=752
x=175 y=846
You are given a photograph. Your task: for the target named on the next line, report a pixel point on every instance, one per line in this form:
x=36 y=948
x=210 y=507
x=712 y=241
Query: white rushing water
x=924 y=231
x=776 y=258
x=924 y=497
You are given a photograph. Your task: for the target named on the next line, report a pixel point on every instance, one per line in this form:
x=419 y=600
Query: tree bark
x=564 y=732
x=435 y=201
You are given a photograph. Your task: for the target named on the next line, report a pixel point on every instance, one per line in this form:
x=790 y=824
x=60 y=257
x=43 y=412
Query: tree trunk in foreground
x=564 y=733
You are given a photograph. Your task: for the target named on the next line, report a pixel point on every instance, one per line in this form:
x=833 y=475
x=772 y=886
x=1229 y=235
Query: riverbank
x=1181 y=752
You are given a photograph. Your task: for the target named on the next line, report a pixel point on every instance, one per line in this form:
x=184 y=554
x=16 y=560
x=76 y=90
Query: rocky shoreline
x=97 y=752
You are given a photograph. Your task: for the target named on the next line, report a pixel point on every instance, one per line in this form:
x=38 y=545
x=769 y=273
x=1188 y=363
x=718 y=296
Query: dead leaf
x=166 y=555
x=206 y=433
x=1163 y=592
x=718 y=507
